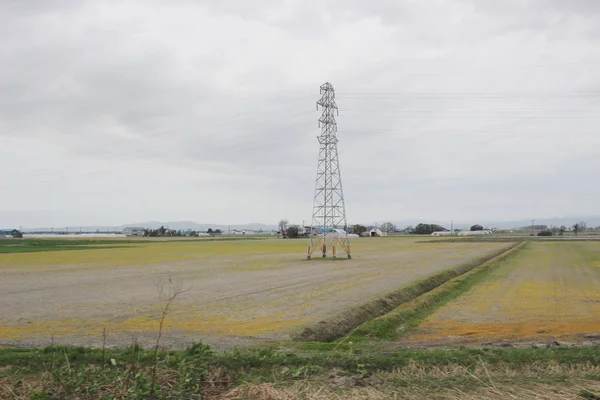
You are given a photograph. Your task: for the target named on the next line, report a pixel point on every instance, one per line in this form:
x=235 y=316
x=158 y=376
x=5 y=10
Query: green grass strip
x=31 y=360
x=41 y=249
x=337 y=326
x=12 y=246
x=409 y=315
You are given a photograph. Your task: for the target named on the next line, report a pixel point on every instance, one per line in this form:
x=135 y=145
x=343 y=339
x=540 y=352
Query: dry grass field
x=237 y=292
x=546 y=292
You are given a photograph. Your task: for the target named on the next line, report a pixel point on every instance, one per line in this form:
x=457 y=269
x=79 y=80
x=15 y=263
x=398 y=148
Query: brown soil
x=232 y=299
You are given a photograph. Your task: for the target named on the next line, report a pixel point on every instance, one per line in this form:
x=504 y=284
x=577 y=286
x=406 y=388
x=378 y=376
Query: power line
x=475 y=93
x=502 y=68
x=464 y=132
x=436 y=116
x=386 y=96
x=250 y=140
x=465 y=110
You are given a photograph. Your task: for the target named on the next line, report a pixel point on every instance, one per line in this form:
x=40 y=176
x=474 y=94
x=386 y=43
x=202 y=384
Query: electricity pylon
x=329 y=228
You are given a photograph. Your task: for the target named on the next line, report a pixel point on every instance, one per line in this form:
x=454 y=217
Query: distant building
x=407 y=230
x=337 y=232
x=442 y=233
x=134 y=231
x=473 y=233
x=375 y=232
x=310 y=231
x=10 y=233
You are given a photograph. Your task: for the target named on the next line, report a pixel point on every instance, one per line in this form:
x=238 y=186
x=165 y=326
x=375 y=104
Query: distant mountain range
x=183 y=225
x=592 y=221
x=177 y=225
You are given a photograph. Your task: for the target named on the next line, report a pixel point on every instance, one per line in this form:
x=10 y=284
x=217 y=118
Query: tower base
x=329 y=243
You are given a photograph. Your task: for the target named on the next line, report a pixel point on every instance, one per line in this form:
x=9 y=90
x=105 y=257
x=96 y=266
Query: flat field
x=237 y=292
x=547 y=291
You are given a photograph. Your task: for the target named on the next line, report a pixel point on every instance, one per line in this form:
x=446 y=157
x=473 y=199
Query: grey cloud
x=20 y=9
x=510 y=8
x=217 y=101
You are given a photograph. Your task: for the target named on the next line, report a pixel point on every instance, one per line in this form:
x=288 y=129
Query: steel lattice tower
x=329 y=209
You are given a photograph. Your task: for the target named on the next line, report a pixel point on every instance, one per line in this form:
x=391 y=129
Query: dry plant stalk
x=166 y=299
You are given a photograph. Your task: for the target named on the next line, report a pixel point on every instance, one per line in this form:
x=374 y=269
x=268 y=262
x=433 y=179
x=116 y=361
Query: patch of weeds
x=198 y=371
x=586 y=394
x=39 y=396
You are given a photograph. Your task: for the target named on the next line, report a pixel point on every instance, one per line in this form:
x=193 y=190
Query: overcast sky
x=128 y=111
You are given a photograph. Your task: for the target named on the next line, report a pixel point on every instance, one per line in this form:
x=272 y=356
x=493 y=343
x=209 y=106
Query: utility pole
x=452 y=227
x=329 y=209
x=532 y=227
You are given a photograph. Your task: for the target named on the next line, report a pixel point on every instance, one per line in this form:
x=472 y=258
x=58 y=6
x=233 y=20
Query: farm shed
x=375 y=232
x=473 y=233
x=10 y=233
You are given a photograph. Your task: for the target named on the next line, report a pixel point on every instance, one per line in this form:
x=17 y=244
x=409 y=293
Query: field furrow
x=548 y=291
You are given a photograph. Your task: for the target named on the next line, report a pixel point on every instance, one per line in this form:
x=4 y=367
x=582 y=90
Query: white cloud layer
x=115 y=112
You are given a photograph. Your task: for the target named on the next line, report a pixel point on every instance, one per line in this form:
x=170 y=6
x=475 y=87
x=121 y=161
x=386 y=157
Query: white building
x=442 y=233
x=375 y=232
x=134 y=231
x=342 y=233
x=338 y=233
x=473 y=233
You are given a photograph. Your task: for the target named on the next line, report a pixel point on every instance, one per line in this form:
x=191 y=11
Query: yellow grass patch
x=214 y=325
x=148 y=253
x=247 y=287
x=547 y=290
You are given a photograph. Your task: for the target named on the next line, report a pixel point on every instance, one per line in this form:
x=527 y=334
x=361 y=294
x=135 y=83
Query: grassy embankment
x=67 y=373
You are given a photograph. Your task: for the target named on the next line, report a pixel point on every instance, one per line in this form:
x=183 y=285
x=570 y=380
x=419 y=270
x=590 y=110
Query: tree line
x=580 y=226
x=288 y=231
